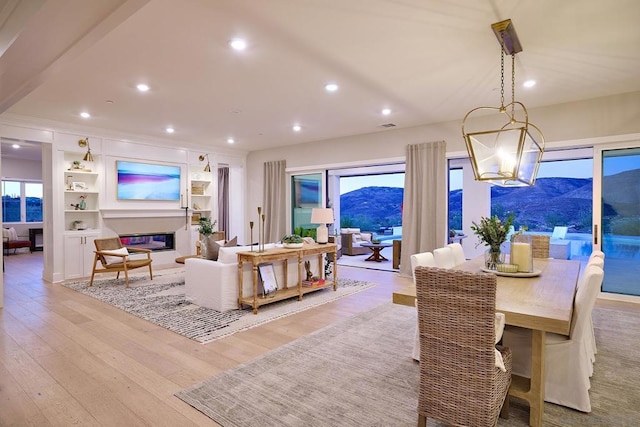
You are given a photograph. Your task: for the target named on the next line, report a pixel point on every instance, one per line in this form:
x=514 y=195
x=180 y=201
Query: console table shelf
x=282 y=255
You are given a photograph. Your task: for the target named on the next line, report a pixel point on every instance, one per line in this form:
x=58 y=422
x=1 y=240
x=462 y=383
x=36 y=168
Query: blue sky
x=581 y=168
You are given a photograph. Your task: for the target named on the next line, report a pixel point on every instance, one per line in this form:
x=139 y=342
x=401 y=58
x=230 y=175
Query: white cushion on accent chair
x=444 y=257
x=567 y=361
x=458 y=253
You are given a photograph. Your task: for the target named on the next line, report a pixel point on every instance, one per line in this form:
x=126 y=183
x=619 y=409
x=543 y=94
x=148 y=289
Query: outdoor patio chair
x=114 y=257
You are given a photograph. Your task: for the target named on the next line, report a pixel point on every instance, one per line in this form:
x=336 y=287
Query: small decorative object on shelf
x=493 y=232
x=314 y=281
x=197 y=189
x=81 y=205
x=292 y=241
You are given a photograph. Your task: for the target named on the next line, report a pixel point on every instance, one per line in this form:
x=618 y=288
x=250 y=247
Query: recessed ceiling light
x=170 y=129
x=386 y=111
x=142 y=87
x=16 y=146
x=331 y=87
x=85 y=115
x=529 y=83
x=230 y=140
x=238 y=44
x=297 y=128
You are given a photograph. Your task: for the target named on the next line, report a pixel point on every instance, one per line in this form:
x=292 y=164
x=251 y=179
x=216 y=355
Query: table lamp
x=322 y=216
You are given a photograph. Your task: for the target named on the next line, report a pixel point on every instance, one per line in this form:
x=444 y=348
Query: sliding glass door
x=617 y=231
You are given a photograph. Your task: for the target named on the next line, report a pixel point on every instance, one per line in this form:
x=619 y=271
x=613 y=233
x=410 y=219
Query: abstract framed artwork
x=147 y=181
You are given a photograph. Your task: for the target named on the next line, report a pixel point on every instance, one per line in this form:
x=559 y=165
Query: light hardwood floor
x=68 y=359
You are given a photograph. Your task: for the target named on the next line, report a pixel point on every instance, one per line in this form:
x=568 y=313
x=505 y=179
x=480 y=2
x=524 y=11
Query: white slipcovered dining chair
x=567 y=360
x=458 y=253
x=423 y=259
x=591 y=340
x=444 y=257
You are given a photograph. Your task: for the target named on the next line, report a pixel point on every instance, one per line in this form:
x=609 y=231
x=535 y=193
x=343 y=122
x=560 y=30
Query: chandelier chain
x=502 y=72
x=513 y=84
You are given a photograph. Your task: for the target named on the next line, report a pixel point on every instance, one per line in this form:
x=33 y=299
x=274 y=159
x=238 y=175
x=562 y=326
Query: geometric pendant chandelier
x=508 y=151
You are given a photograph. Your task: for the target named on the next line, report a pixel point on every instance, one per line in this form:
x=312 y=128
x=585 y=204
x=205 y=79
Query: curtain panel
x=223 y=199
x=424 y=213
x=274 y=200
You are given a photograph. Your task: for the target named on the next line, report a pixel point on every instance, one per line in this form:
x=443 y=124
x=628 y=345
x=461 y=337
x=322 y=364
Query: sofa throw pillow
x=213 y=247
x=5 y=234
x=115 y=259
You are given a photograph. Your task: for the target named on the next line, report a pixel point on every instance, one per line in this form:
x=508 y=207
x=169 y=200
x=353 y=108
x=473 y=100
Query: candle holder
x=260 y=230
x=522 y=252
x=251 y=234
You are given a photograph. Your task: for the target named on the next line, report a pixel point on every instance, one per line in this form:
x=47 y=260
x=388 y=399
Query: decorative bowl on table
x=292 y=245
x=292 y=241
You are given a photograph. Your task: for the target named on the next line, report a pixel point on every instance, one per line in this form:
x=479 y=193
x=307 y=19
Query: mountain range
x=551 y=202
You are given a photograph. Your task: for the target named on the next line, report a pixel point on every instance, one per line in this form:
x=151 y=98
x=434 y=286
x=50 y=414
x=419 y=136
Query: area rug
x=162 y=301
x=359 y=372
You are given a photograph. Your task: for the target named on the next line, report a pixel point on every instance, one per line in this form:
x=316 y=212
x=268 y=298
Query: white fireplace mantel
x=143 y=213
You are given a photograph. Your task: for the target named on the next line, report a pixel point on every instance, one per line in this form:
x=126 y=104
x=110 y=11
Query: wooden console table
x=283 y=255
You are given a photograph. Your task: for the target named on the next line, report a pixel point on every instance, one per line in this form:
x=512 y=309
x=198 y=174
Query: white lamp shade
x=322 y=216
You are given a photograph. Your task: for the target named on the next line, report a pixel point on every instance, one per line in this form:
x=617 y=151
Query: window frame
x=23 y=201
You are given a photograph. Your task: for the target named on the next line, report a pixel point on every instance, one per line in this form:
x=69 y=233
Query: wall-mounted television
x=146 y=181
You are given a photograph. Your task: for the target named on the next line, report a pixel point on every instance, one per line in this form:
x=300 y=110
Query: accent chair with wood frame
x=114 y=257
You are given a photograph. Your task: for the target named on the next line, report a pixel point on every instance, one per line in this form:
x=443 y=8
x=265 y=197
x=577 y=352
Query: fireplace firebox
x=153 y=241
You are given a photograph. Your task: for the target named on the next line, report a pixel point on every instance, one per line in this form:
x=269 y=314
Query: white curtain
x=424 y=213
x=274 y=200
x=223 y=199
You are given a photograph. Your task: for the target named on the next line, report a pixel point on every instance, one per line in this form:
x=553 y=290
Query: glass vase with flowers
x=493 y=232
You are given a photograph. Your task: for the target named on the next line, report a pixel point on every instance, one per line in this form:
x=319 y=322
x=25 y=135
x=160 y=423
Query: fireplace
x=154 y=241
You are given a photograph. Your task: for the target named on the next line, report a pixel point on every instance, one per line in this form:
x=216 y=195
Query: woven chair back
x=459 y=383
x=540 y=246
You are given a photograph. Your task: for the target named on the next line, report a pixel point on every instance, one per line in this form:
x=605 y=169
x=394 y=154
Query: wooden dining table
x=543 y=303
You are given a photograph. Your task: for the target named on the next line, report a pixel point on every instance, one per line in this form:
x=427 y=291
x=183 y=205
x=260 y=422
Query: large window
x=21 y=201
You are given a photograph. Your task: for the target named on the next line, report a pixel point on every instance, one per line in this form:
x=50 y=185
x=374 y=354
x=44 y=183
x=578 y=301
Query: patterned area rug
x=162 y=301
x=359 y=372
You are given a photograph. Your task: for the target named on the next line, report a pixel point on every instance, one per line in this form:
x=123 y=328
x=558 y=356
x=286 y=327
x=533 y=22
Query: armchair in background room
x=352 y=238
x=10 y=240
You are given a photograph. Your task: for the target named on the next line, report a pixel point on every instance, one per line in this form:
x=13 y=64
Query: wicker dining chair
x=459 y=381
x=540 y=246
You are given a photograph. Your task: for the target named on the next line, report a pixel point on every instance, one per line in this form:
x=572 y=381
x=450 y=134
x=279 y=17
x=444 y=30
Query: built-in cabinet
x=78 y=253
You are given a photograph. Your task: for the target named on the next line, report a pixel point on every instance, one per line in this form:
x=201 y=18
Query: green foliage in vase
x=292 y=238
x=206 y=226
x=492 y=231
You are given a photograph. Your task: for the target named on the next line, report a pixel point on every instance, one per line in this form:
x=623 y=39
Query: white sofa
x=214 y=284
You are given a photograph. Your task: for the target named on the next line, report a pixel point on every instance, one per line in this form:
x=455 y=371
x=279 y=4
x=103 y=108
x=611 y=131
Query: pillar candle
x=521 y=255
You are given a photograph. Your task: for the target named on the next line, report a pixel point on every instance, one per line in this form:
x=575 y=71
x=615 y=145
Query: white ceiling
x=428 y=60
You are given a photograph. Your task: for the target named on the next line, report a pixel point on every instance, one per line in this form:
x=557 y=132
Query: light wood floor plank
x=69 y=359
